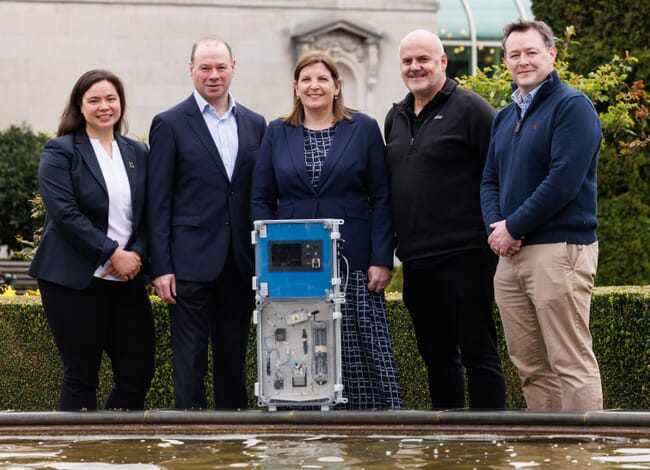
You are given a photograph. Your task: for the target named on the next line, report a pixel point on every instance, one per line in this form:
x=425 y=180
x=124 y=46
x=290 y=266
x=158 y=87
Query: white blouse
x=120 y=208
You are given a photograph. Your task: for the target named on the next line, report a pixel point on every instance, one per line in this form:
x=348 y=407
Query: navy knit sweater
x=540 y=174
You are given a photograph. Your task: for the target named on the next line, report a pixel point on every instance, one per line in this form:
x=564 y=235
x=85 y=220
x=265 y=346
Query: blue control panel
x=296 y=259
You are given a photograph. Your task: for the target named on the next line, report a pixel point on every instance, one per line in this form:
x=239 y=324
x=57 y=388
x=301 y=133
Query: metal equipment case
x=298 y=313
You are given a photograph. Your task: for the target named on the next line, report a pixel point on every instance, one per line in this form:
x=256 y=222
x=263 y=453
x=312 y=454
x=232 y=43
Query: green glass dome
x=471 y=31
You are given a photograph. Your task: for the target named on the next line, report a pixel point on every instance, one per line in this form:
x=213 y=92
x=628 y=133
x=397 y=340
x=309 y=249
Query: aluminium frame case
x=298 y=313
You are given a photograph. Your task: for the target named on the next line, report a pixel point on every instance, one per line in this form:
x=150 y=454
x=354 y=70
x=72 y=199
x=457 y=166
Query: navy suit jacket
x=354 y=186
x=195 y=214
x=74 y=242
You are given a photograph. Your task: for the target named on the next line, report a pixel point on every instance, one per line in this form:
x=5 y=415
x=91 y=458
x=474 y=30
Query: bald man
x=437 y=139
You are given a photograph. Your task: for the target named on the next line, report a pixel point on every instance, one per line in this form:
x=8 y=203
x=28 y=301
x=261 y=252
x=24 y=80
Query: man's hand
x=166 y=287
x=500 y=240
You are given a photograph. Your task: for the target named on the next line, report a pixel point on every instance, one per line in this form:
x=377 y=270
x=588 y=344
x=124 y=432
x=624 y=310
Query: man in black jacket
x=437 y=140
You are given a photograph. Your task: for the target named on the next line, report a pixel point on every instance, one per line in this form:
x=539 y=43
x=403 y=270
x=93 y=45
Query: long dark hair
x=72 y=120
x=296 y=114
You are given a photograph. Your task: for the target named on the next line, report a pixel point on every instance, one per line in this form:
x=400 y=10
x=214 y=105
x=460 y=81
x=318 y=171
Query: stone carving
x=349 y=44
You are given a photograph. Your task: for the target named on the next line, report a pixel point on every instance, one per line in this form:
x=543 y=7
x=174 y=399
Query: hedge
x=20 y=154
x=30 y=368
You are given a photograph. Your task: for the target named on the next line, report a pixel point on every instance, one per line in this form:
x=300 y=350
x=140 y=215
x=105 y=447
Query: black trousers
x=216 y=313
x=451 y=303
x=107 y=316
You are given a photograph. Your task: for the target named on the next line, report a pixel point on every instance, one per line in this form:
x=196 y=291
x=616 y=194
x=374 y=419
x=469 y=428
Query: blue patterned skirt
x=368 y=366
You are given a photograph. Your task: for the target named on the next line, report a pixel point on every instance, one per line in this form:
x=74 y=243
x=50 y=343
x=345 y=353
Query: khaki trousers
x=544 y=295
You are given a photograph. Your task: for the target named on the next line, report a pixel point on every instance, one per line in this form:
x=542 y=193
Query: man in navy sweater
x=538 y=198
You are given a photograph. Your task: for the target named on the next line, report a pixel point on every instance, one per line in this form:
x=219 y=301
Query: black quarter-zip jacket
x=436 y=163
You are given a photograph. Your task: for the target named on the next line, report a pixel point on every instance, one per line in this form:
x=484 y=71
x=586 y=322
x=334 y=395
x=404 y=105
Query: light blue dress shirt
x=223 y=130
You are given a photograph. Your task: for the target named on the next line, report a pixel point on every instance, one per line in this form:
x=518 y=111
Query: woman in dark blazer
x=324 y=160
x=90 y=257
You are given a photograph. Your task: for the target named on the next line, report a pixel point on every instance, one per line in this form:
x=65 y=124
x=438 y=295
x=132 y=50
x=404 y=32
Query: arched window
x=471 y=31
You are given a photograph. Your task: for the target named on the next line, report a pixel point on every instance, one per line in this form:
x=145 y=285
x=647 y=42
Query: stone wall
x=45 y=46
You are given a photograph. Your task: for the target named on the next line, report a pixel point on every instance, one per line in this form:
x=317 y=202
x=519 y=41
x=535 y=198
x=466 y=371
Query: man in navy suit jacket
x=202 y=155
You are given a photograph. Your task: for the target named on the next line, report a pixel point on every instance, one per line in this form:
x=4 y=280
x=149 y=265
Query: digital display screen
x=295 y=256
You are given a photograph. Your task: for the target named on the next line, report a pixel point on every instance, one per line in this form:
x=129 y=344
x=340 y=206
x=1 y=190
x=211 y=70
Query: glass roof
x=452 y=21
x=458 y=18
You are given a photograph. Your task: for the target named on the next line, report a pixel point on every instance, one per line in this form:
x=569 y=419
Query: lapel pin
x=131 y=165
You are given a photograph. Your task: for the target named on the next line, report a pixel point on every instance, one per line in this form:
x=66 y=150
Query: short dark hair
x=524 y=25
x=72 y=120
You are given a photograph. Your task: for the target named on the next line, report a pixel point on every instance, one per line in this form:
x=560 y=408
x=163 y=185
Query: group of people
x=480 y=205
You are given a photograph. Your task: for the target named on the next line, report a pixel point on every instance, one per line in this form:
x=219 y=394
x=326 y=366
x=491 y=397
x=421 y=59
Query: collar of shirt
x=524 y=101
x=222 y=129
x=432 y=107
x=204 y=106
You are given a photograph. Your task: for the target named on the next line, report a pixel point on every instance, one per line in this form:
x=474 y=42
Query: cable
x=347 y=273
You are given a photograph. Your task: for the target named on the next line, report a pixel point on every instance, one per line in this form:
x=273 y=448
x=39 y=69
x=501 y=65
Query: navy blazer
x=194 y=212
x=353 y=186
x=74 y=242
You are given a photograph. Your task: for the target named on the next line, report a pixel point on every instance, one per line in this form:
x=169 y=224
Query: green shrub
x=396 y=282
x=606 y=28
x=620 y=324
x=30 y=369
x=624 y=235
x=20 y=151
x=29 y=365
x=412 y=372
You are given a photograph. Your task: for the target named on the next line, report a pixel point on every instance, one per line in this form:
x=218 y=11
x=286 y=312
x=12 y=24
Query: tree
x=20 y=151
x=605 y=29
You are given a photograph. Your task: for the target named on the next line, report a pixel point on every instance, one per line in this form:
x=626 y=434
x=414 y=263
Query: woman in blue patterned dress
x=324 y=160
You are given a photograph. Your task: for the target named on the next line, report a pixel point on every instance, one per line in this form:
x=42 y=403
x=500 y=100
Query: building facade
x=45 y=45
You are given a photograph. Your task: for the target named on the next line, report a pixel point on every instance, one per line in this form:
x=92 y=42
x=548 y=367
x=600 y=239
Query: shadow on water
x=312 y=451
